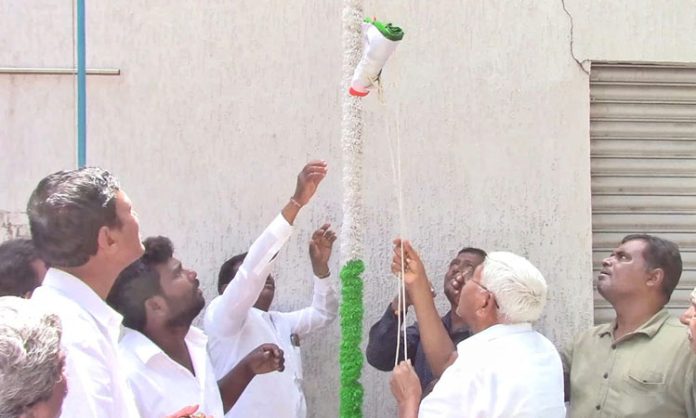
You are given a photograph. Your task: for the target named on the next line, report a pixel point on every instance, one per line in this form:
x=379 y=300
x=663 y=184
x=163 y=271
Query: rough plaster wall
x=220 y=103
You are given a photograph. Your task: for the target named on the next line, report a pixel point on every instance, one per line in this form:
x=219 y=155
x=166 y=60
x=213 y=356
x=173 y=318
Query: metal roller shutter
x=643 y=159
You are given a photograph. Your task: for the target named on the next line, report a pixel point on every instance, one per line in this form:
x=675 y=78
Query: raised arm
x=434 y=338
x=265 y=358
x=324 y=308
x=226 y=314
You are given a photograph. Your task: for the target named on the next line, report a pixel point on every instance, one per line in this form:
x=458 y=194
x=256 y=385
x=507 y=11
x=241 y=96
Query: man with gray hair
x=83 y=225
x=31 y=370
x=505 y=369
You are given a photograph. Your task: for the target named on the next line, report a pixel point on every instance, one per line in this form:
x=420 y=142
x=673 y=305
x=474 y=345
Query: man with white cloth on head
x=505 y=369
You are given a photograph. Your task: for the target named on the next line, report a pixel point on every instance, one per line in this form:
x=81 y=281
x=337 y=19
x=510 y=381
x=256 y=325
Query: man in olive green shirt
x=639 y=365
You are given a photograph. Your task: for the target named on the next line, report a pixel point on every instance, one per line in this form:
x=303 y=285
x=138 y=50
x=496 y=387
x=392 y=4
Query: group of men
x=102 y=276
x=122 y=310
x=642 y=364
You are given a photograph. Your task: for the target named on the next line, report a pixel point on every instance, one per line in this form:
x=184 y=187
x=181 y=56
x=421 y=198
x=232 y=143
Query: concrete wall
x=220 y=103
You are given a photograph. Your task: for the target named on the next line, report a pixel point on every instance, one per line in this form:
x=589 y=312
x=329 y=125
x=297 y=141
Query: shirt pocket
x=646 y=380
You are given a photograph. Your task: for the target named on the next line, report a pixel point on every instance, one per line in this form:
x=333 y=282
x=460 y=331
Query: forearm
x=233 y=384
x=290 y=211
x=323 y=311
x=434 y=339
x=242 y=292
x=409 y=409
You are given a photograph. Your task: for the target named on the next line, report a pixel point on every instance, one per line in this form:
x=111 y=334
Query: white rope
x=395 y=159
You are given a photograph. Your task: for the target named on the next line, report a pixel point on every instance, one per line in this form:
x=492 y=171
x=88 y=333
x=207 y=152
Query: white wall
x=220 y=103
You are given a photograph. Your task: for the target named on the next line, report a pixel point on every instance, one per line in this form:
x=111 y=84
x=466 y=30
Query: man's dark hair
x=66 y=211
x=229 y=269
x=139 y=282
x=17 y=277
x=663 y=254
x=473 y=250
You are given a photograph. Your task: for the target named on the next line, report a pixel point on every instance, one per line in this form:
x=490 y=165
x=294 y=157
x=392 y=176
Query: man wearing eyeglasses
x=505 y=369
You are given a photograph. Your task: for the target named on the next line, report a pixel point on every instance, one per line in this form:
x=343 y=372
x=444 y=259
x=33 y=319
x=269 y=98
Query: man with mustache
x=381 y=346
x=166 y=362
x=639 y=365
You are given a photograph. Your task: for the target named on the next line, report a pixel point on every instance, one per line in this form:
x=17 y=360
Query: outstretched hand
x=320 y=247
x=308 y=180
x=265 y=358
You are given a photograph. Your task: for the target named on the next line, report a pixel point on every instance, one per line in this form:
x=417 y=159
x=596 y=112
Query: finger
x=316 y=163
x=409 y=252
x=332 y=238
x=314 y=169
x=325 y=227
x=187 y=410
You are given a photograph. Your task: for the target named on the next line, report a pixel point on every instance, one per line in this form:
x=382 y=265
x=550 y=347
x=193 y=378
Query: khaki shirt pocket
x=650 y=379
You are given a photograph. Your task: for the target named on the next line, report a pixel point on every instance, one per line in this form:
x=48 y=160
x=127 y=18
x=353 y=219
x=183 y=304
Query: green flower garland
x=351 y=357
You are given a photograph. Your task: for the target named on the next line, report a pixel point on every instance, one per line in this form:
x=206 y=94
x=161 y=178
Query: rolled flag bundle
x=380 y=42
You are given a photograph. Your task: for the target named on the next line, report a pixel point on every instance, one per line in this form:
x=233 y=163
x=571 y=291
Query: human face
x=473 y=296
x=181 y=290
x=688 y=318
x=128 y=233
x=51 y=407
x=624 y=272
x=459 y=265
x=266 y=296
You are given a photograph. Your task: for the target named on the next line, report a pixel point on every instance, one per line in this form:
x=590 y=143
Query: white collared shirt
x=97 y=386
x=161 y=385
x=234 y=328
x=503 y=371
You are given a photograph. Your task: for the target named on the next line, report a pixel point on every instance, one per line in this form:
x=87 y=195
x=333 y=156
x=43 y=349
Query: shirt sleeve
x=322 y=312
x=90 y=391
x=381 y=344
x=567 y=360
x=226 y=313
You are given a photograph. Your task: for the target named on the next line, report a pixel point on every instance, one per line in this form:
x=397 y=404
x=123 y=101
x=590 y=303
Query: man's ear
x=155 y=305
x=105 y=240
x=656 y=278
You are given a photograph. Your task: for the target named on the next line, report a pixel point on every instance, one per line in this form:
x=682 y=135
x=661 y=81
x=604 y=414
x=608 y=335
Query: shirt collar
x=649 y=328
x=498 y=331
x=76 y=290
x=145 y=349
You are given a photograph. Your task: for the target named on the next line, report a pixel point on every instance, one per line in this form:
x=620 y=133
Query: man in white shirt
x=239 y=319
x=82 y=224
x=165 y=358
x=505 y=369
